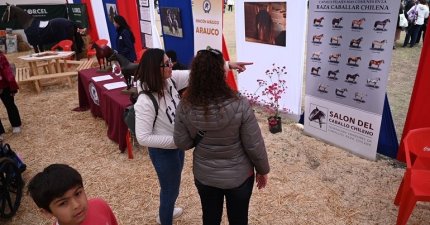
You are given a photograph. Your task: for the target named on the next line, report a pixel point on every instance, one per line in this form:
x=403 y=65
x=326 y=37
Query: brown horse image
x=315 y=70
x=332 y=74
x=341 y=92
x=316 y=55
x=378 y=44
x=264 y=23
x=374 y=64
x=336 y=21
x=380 y=25
x=353 y=60
x=318 y=115
x=317 y=38
x=323 y=88
x=335 y=40
x=334 y=57
x=318 y=21
x=373 y=82
x=356 y=24
x=350 y=78
x=355 y=43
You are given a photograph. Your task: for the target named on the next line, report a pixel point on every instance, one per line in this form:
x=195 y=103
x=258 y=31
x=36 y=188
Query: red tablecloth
x=107 y=104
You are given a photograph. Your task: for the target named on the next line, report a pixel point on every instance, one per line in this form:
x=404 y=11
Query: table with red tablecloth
x=104 y=103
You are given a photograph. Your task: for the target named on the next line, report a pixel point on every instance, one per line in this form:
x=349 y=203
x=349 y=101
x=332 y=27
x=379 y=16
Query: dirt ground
x=310 y=182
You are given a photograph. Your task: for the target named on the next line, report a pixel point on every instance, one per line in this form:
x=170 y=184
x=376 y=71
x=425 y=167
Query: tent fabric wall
x=419 y=105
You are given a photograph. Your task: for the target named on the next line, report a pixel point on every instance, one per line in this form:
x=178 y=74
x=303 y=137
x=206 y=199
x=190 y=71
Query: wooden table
x=55 y=65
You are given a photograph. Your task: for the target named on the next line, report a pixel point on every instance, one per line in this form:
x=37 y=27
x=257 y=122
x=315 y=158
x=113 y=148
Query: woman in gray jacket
x=232 y=146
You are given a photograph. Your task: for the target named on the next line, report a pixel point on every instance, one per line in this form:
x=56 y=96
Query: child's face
x=71 y=208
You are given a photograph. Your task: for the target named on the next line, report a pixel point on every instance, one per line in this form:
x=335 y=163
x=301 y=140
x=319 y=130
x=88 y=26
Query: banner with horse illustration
x=349 y=47
x=272 y=35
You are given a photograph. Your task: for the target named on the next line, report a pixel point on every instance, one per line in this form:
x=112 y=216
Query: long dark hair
x=123 y=25
x=207 y=84
x=148 y=72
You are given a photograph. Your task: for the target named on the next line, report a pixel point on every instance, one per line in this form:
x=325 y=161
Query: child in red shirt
x=58 y=191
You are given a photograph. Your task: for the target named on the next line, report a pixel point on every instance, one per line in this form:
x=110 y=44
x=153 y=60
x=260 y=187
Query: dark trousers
x=412 y=35
x=230 y=8
x=12 y=111
x=237 y=202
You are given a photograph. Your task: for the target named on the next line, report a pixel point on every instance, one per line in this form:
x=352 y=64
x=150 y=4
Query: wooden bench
x=23 y=74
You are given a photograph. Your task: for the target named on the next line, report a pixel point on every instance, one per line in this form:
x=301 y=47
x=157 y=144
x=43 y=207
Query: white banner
x=272 y=35
x=349 y=48
x=207 y=16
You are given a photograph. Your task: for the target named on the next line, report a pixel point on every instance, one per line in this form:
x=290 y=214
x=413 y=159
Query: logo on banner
x=317 y=117
x=93 y=93
x=36 y=11
x=207 y=6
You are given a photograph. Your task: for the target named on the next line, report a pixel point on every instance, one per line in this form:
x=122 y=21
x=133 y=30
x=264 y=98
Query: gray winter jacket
x=231 y=147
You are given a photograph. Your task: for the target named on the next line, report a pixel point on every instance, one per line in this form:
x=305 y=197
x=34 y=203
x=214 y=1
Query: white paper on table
x=115 y=85
x=102 y=78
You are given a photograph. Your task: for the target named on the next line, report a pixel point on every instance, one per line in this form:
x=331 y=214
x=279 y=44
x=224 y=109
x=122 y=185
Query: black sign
x=76 y=12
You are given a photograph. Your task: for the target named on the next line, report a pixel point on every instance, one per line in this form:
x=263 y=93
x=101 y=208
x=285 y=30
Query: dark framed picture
x=266 y=22
x=171 y=22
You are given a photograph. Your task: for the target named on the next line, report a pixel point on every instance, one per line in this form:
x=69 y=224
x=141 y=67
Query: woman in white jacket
x=421 y=10
x=155 y=129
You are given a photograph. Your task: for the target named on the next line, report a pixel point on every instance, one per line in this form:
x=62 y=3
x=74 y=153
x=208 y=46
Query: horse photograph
x=317 y=38
x=266 y=23
x=336 y=22
x=171 y=22
x=373 y=82
x=332 y=74
x=374 y=64
x=323 y=88
x=377 y=45
x=355 y=43
x=315 y=70
x=341 y=92
x=318 y=21
x=359 y=97
x=351 y=78
x=335 y=40
x=334 y=58
x=316 y=55
x=317 y=116
x=380 y=25
x=356 y=24
x=353 y=61
x=43 y=34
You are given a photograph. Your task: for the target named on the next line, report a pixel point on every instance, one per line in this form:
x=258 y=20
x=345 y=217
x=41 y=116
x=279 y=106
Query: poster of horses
x=171 y=21
x=266 y=22
x=112 y=11
x=352 y=94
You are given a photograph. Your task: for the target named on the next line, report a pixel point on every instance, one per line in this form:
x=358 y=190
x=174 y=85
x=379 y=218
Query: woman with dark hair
x=421 y=12
x=227 y=141
x=155 y=129
x=8 y=89
x=125 y=38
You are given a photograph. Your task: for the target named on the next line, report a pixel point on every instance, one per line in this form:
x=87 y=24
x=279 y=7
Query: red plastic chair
x=92 y=52
x=415 y=185
x=64 y=45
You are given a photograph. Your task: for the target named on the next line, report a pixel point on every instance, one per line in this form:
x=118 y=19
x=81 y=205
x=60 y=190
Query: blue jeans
x=168 y=164
x=237 y=202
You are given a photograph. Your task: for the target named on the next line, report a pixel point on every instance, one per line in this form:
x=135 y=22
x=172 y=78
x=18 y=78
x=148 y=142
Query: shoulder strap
x=199 y=136
x=174 y=83
x=154 y=102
